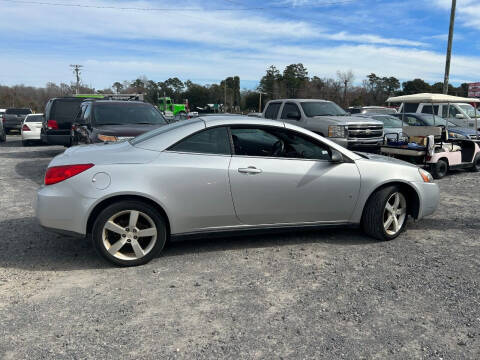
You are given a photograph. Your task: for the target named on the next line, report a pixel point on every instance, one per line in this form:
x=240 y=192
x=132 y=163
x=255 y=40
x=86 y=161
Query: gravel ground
x=330 y=294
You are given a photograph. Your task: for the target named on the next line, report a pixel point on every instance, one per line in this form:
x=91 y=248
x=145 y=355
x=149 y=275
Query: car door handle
x=249 y=170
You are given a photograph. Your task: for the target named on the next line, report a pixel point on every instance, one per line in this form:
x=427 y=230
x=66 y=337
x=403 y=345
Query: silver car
x=223 y=174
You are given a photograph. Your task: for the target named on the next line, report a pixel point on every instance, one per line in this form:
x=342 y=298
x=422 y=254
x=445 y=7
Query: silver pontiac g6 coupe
x=223 y=174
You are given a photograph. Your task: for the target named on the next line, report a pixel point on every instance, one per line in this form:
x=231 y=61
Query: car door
x=197 y=173
x=291 y=113
x=296 y=185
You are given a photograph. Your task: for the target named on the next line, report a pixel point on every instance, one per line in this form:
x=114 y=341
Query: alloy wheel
x=129 y=235
x=395 y=213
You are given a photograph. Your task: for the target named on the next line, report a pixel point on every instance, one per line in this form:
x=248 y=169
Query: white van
x=461 y=114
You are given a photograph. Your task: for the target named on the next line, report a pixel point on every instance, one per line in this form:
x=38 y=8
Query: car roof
x=238 y=120
x=96 y=101
x=301 y=100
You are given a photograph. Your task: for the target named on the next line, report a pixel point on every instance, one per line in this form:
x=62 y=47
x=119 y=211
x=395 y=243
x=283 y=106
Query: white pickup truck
x=329 y=120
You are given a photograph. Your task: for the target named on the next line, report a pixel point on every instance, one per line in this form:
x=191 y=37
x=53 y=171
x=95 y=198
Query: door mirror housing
x=460 y=116
x=293 y=116
x=336 y=157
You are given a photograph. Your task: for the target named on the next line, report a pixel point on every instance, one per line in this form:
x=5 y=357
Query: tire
x=440 y=169
x=376 y=215
x=3 y=138
x=124 y=238
x=476 y=164
x=25 y=143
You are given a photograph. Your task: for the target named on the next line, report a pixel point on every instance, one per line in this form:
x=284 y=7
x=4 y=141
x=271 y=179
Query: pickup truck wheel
x=476 y=164
x=385 y=214
x=439 y=169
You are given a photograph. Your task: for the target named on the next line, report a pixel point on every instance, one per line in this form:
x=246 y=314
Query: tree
x=415 y=86
x=117 y=86
x=269 y=83
x=294 y=78
x=345 y=78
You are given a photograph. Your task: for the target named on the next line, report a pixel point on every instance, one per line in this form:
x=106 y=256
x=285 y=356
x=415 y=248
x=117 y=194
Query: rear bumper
x=56 y=139
x=59 y=208
x=30 y=135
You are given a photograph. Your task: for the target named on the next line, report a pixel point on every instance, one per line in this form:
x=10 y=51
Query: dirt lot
x=330 y=294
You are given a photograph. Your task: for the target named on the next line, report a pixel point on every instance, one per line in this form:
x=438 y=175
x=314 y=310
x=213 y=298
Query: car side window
x=453 y=111
x=272 y=111
x=210 y=141
x=277 y=142
x=427 y=109
x=86 y=115
x=412 y=121
x=291 y=112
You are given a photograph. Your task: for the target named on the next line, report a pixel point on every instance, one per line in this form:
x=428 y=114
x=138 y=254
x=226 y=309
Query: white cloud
x=467 y=11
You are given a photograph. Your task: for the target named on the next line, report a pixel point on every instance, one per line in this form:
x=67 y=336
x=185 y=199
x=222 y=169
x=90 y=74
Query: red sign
x=474 y=90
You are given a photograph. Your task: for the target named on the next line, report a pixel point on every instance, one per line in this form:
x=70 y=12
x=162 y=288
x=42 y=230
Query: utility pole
x=449 y=47
x=345 y=82
x=225 y=96
x=77 y=72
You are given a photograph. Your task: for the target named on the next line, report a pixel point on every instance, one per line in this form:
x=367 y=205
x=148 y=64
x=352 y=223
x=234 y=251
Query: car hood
x=104 y=153
x=347 y=120
x=384 y=159
x=462 y=130
x=128 y=130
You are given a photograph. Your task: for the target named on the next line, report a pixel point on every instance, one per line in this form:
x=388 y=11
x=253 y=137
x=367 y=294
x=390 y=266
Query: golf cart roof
x=431 y=98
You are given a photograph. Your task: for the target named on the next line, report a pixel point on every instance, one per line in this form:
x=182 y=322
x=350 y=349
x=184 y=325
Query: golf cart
x=430 y=146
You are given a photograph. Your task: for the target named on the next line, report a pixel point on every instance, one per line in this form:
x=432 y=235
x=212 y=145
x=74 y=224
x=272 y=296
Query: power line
x=43 y=3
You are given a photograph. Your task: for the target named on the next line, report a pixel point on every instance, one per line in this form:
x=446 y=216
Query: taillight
x=52 y=125
x=25 y=127
x=58 y=174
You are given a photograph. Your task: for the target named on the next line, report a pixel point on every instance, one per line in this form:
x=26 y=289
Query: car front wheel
x=129 y=233
x=385 y=214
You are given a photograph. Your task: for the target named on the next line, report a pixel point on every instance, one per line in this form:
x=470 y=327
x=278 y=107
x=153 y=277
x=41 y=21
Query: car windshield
x=469 y=110
x=126 y=114
x=18 y=111
x=322 y=108
x=34 y=118
x=388 y=121
x=438 y=120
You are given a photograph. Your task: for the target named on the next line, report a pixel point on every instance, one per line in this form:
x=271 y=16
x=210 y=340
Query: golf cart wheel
x=129 y=233
x=476 y=164
x=440 y=169
x=385 y=213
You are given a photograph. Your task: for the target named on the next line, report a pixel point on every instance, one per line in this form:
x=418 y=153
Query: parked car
x=329 y=120
x=31 y=128
x=111 y=120
x=371 y=110
x=224 y=174
x=391 y=124
x=454 y=131
x=13 y=119
x=461 y=114
x=3 y=134
x=58 y=119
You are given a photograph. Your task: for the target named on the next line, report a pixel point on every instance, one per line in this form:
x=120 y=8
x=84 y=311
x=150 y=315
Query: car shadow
x=26 y=245
x=47 y=153
x=33 y=170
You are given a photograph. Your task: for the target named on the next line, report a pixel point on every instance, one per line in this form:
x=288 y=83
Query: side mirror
x=460 y=116
x=336 y=157
x=293 y=116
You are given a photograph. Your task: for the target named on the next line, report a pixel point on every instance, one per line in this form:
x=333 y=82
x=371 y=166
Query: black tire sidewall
x=129 y=205
x=440 y=169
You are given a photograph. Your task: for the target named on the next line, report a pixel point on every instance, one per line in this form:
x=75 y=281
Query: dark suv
x=59 y=116
x=111 y=120
x=13 y=119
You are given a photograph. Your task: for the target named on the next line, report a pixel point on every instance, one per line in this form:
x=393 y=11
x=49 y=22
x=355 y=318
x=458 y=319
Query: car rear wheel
x=439 y=169
x=129 y=233
x=25 y=143
x=385 y=213
x=3 y=137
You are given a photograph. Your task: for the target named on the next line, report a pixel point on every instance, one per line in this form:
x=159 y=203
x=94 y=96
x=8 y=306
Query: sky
x=207 y=41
